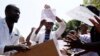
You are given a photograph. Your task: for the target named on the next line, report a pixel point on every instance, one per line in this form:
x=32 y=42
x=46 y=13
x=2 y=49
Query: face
x=13 y=13
x=49 y=25
x=84 y=27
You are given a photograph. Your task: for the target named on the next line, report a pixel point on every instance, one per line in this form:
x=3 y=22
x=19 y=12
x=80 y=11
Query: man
x=6 y=26
x=48 y=33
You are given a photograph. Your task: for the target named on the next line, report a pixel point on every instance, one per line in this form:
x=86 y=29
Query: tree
x=73 y=24
x=96 y=3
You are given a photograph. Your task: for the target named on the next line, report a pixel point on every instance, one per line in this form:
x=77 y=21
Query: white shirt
x=86 y=38
x=53 y=35
x=5 y=36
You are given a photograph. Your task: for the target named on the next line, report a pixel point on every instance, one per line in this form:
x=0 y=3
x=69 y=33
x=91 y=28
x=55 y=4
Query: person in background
x=84 y=36
x=28 y=41
x=95 y=34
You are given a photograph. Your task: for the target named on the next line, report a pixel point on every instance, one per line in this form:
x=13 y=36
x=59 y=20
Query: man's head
x=72 y=32
x=84 y=27
x=46 y=6
x=49 y=25
x=93 y=9
x=12 y=13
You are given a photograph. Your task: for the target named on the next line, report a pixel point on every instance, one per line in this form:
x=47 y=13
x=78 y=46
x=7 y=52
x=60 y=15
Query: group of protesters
x=84 y=42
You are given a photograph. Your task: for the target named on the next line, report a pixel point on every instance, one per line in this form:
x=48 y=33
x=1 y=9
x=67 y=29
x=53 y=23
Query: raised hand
x=42 y=23
x=96 y=24
x=73 y=43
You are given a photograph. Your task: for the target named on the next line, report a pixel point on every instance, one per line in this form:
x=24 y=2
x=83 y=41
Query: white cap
x=49 y=20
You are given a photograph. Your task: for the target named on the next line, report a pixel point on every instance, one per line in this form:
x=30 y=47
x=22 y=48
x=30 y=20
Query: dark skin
x=84 y=29
x=28 y=37
x=12 y=14
x=94 y=46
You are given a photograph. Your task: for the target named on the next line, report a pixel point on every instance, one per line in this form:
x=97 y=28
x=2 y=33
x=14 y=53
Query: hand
x=73 y=43
x=28 y=43
x=32 y=29
x=42 y=22
x=65 y=52
x=96 y=24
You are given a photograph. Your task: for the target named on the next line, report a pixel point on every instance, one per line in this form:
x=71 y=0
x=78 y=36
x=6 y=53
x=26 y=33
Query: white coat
x=5 y=37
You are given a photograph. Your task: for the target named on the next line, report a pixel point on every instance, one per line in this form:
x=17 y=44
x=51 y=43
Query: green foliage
x=85 y=1
x=73 y=24
x=96 y=3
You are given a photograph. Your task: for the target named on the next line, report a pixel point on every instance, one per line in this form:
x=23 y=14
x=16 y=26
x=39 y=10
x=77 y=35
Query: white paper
x=48 y=14
x=81 y=13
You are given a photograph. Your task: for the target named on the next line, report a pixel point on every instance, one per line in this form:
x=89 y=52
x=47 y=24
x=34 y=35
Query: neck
x=9 y=24
x=48 y=31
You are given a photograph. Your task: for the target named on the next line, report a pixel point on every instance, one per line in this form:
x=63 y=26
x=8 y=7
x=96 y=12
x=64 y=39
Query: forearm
x=9 y=48
x=58 y=19
x=38 y=29
x=95 y=46
x=16 y=47
x=29 y=36
x=61 y=29
x=81 y=52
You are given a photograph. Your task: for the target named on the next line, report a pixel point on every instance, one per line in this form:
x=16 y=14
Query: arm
x=15 y=47
x=81 y=53
x=62 y=27
x=34 y=34
x=28 y=37
x=95 y=46
x=41 y=24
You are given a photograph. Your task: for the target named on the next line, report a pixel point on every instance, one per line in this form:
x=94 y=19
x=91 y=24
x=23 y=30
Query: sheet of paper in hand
x=48 y=14
x=44 y=49
x=81 y=13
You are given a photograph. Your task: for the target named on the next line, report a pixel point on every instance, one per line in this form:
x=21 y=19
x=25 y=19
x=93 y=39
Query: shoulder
x=2 y=21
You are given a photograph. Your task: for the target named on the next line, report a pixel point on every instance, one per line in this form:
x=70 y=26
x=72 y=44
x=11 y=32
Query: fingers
x=67 y=41
x=96 y=24
x=72 y=37
x=24 y=42
x=97 y=19
x=93 y=22
x=69 y=48
x=67 y=45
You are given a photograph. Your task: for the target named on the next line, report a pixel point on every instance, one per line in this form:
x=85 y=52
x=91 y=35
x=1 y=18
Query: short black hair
x=93 y=9
x=11 y=6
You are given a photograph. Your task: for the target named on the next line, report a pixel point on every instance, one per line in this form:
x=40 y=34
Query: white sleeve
x=2 y=49
x=85 y=39
x=2 y=40
x=61 y=29
x=34 y=37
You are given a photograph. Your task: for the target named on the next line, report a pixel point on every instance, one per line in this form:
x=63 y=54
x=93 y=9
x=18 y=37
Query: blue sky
x=31 y=11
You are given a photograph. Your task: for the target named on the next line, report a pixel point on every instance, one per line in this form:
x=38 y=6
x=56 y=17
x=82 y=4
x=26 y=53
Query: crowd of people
x=83 y=42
